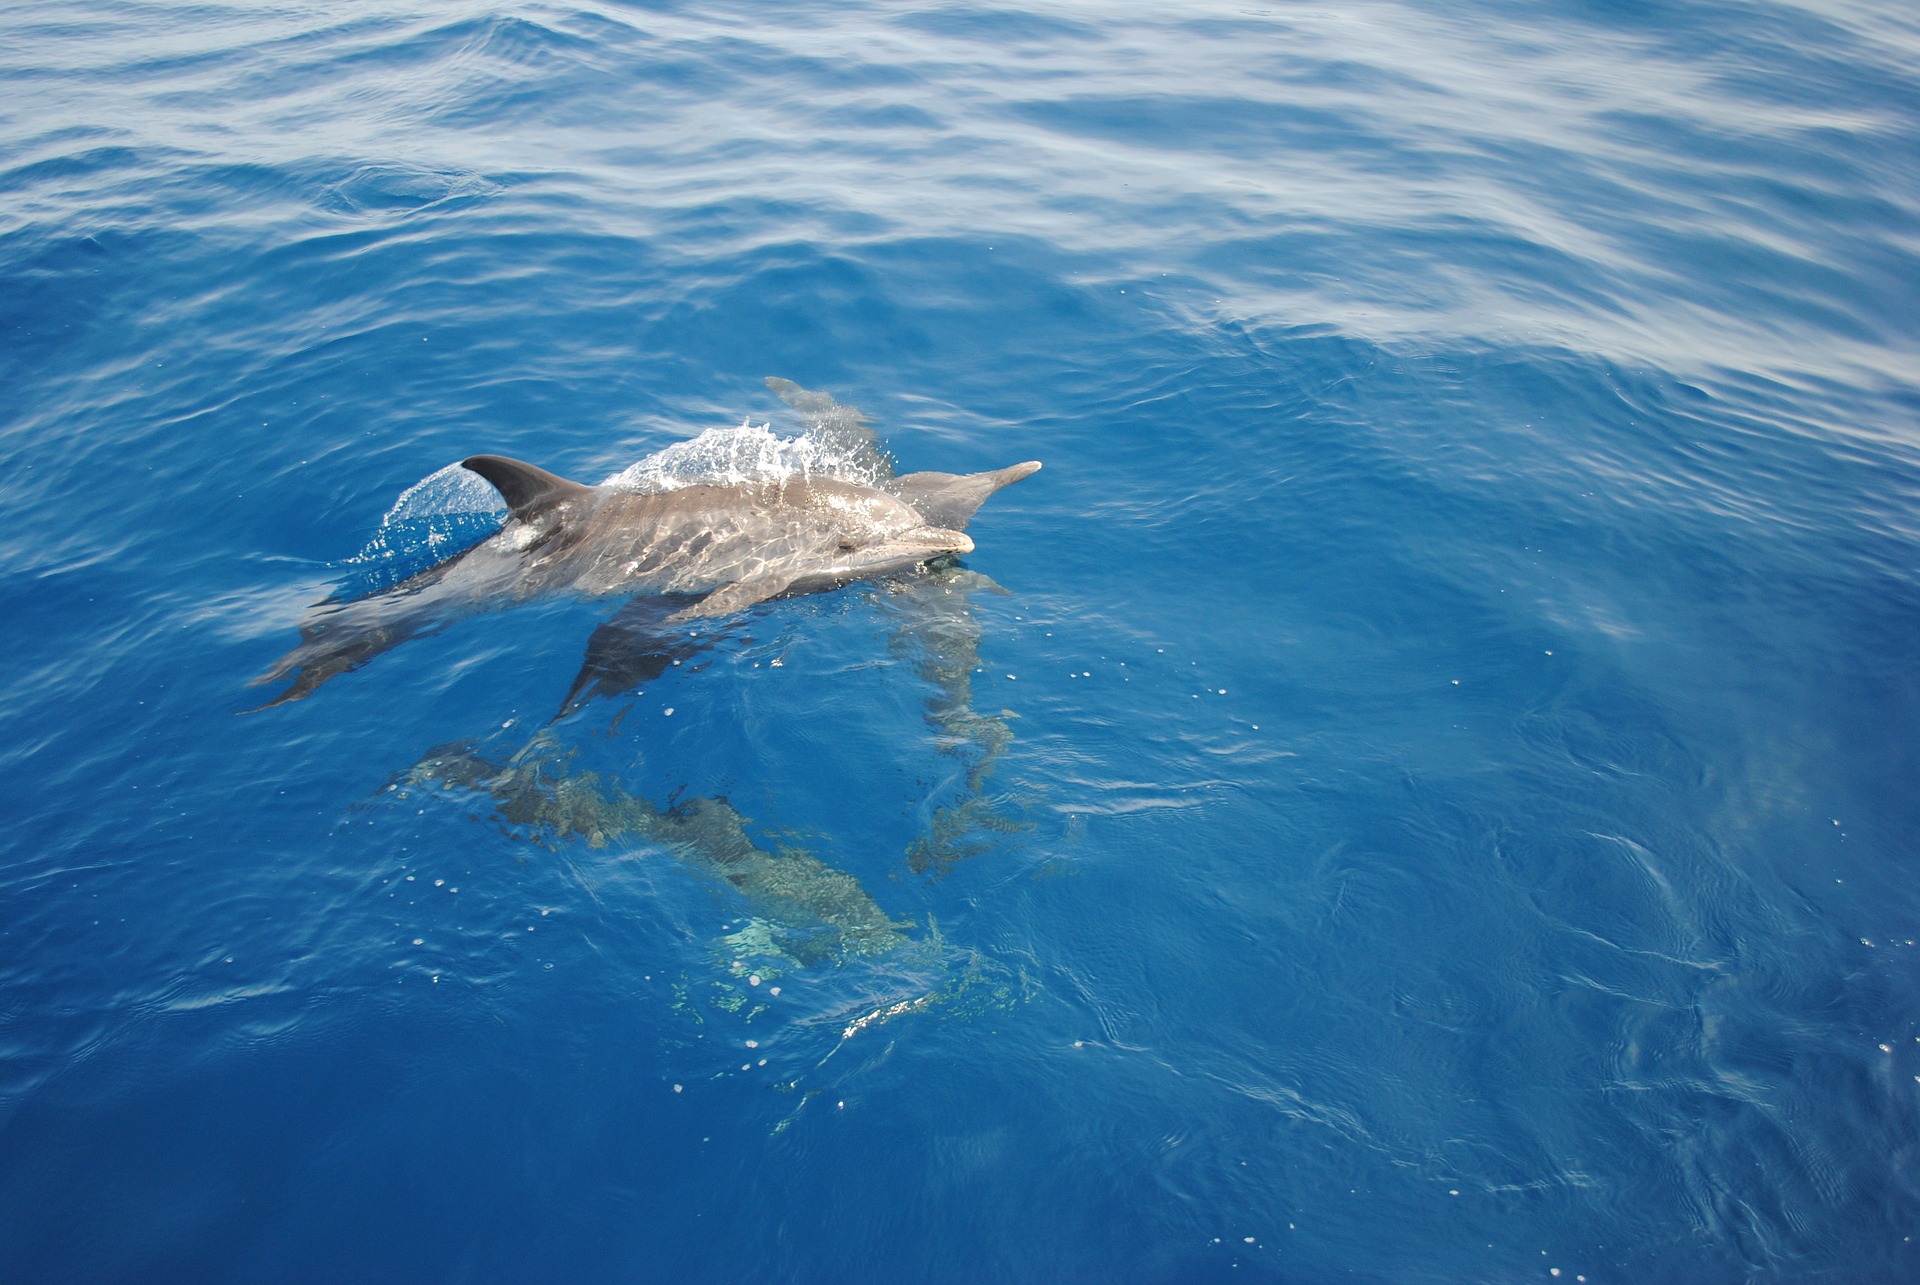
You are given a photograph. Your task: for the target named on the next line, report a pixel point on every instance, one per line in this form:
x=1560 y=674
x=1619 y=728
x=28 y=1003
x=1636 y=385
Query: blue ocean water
x=1420 y=788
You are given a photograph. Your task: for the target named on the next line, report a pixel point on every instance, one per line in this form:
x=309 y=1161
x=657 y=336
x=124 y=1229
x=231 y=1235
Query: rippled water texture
x=1421 y=786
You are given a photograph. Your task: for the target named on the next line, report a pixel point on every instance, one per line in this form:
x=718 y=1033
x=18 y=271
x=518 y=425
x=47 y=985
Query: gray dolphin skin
x=718 y=549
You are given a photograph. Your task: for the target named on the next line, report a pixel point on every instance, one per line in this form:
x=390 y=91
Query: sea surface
x=1424 y=786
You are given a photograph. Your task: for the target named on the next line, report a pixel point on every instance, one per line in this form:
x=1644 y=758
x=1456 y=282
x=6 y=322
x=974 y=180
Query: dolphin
x=702 y=550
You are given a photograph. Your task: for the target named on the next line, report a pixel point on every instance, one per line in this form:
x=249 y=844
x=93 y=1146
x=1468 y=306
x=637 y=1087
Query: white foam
x=729 y=456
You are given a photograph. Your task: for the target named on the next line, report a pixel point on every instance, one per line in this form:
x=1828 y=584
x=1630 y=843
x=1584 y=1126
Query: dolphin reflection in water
x=808 y=911
x=712 y=552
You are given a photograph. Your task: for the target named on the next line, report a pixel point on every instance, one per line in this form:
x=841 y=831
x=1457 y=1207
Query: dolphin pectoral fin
x=737 y=596
x=634 y=646
x=950 y=499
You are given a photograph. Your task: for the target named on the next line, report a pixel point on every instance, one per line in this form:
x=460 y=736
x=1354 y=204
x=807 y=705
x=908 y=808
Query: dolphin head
x=866 y=532
x=897 y=551
x=935 y=540
x=867 y=555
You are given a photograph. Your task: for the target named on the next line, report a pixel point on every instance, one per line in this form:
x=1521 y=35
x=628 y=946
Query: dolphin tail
x=949 y=499
x=344 y=635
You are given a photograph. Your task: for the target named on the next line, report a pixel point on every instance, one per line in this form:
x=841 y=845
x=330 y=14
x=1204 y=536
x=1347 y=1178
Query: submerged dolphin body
x=717 y=548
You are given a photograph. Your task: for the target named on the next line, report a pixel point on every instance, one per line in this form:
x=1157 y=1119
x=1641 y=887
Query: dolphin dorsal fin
x=949 y=500
x=528 y=491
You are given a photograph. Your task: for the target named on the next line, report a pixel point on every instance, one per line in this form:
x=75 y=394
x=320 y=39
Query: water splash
x=730 y=456
x=440 y=515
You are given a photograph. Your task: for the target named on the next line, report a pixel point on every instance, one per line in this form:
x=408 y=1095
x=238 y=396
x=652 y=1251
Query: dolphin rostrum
x=719 y=548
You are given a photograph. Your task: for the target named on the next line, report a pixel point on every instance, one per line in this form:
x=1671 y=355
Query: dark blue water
x=1421 y=788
